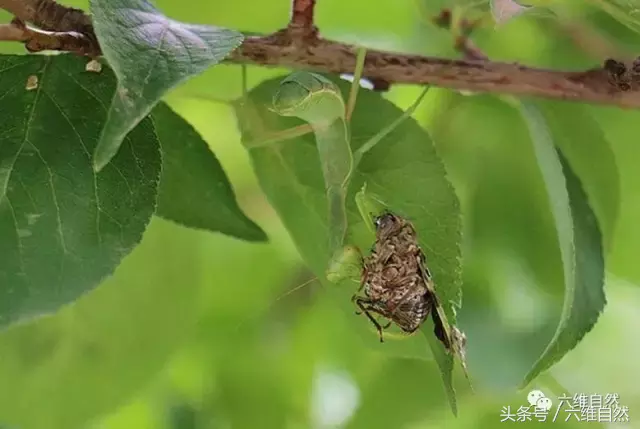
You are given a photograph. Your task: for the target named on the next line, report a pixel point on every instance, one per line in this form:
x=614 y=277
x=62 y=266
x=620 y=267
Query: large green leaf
x=580 y=243
x=194 y=190
x=404 y=170
x=511 y=257
x=513 y=265
x=150 y=54
x=64 y=228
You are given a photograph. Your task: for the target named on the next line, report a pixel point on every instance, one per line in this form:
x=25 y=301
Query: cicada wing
x=442 y=329
x=412 y=311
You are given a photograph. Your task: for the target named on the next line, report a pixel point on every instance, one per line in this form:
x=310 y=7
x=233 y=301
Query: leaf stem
x=357 y=75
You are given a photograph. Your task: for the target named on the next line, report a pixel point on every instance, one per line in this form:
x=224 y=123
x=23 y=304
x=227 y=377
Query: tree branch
x=299 y=47
x=49 y=15
x=62 y=28
x=596 y=85
x=39 y=40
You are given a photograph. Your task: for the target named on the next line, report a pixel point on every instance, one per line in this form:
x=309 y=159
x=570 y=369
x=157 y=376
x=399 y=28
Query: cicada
x=397 y=283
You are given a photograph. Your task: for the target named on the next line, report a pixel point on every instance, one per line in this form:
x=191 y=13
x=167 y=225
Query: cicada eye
x=383 y=219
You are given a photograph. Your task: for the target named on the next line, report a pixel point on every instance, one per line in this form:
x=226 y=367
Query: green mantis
x=316 y=100
x=298 y=127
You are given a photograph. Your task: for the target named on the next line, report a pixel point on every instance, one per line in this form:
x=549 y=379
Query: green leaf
x=580 y=244
x=583 y=143
x=403 y=170
x=64 y=228
x=150 y=54
x=510 y=243
x=194 y=189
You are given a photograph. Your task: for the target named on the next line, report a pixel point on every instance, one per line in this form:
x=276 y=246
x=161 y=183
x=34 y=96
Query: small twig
x=11 y=33
x=39 y=40
x=61 y=28
x=301 y=26
x=462 y=42
x=469 y=49
x=302 y=13
x=49 y=15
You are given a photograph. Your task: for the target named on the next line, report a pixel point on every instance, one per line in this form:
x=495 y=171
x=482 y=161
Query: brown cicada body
x=396 y=282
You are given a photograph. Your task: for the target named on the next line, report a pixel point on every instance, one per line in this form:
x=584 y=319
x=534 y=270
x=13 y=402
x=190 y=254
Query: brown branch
x=39 y=40
x=302 y=15
x=49 y=15
x=62 y=28
x=595 y=85
x=299 y=47
x=301 y=30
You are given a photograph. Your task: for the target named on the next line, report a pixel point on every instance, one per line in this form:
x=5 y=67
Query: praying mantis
x=317 y=101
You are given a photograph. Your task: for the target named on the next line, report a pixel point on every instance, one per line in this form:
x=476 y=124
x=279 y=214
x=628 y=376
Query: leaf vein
x=152 y=67
x=88 y=91
x=19 y=242
x=54 y=195
x=88 y=154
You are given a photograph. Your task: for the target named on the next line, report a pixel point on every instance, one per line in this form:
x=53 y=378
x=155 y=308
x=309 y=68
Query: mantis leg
x=369 y=206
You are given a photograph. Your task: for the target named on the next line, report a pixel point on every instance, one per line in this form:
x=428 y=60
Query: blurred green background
x=190 y=333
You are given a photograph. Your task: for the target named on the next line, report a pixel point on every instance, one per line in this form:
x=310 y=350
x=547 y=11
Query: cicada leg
x=366 y=305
